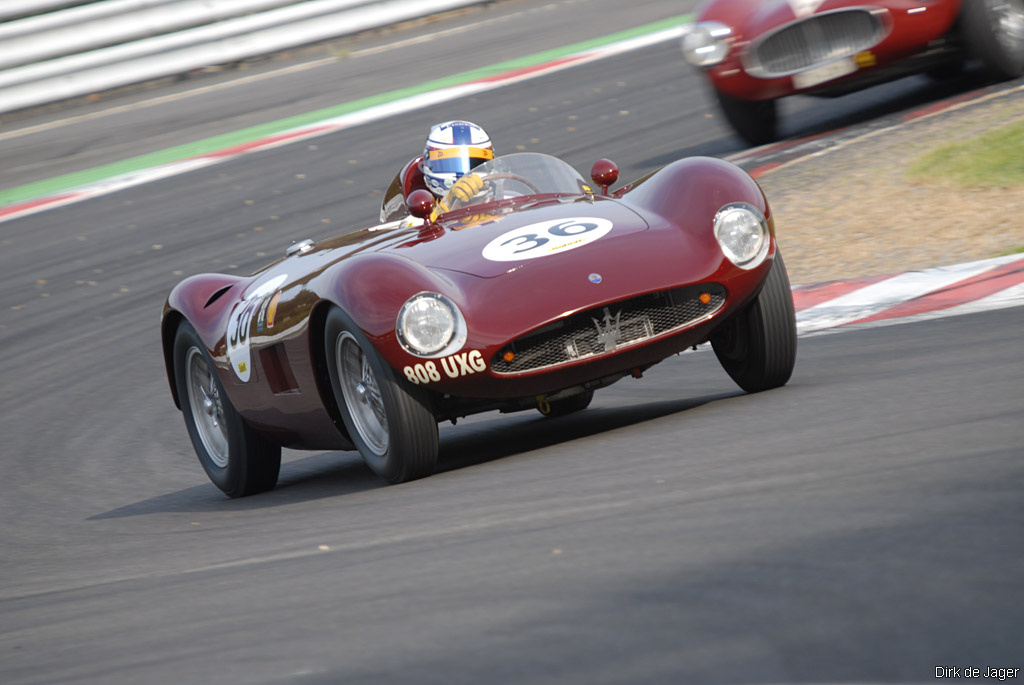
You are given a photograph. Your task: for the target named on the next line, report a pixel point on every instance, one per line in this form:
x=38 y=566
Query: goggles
x=457 y=160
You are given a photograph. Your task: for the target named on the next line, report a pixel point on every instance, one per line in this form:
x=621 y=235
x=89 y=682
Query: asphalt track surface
x=861 y=524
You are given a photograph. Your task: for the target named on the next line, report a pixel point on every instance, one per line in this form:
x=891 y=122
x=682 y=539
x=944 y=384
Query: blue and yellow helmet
x=452 y=149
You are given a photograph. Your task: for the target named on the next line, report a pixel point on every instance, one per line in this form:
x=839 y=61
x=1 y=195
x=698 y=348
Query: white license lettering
x=454 y=366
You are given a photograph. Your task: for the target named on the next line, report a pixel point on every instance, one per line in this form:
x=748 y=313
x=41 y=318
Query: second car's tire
x=388 y=419
x=237 y=459
x=755 y=121
x=757 y=347
x=568 y=405
x=994 y=33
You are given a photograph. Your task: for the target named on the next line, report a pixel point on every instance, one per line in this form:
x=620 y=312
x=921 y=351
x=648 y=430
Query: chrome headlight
x=742 y=232
x=430 y=325
x=706 y=44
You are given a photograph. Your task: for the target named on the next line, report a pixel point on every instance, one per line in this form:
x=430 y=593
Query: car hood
x=548 y=234
x=754 y=17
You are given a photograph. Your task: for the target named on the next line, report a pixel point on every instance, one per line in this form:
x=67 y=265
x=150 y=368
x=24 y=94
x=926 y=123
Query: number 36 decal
x=545 y=238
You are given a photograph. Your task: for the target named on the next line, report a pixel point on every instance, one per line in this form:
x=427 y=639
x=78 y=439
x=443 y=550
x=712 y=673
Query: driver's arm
x=467 y=187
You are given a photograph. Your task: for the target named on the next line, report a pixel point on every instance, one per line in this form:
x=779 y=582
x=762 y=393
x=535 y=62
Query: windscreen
x=518 y=175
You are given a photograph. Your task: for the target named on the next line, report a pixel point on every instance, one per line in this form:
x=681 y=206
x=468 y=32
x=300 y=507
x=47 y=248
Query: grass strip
x=994 y=159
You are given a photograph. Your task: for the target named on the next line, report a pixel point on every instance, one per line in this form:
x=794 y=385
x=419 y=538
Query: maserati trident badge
x=608 y=334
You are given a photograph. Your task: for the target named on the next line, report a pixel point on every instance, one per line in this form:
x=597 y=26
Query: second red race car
x=757 y=51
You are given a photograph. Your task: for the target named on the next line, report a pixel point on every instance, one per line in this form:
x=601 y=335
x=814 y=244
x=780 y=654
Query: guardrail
x=91 y=46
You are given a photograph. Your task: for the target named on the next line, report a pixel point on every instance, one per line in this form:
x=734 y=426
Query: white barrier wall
x=94 y=46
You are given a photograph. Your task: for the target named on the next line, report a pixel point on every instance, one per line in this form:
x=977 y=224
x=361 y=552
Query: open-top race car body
x=524 y=288
x=757 y=51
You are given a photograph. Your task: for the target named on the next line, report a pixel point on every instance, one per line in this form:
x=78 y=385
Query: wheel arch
x=202 y=300
x=168 y=330
x=318 y=355
x=689 y=192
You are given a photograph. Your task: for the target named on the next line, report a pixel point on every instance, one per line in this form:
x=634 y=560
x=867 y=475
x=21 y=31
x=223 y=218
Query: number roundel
x=545 y=238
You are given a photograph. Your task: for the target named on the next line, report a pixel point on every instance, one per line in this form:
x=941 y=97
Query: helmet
x=452 y=149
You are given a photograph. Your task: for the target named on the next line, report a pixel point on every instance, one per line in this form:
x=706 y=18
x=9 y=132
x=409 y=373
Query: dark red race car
x=757 y=51
x=524 y=288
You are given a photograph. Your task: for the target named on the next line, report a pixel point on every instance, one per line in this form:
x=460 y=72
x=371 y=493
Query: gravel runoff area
x=850 y=211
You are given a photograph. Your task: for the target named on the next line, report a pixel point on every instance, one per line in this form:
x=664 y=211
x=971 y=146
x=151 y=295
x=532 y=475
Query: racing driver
x=451 y=150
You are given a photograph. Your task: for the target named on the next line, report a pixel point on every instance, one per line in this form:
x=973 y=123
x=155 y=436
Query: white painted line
x=880 y=296
x=243 y=80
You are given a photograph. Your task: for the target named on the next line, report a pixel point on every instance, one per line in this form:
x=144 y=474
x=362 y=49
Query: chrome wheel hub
x=362 y=394
x=206 y=407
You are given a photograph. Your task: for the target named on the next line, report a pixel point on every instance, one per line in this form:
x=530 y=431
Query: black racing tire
x=756 y=121
x=946 y=70
x=757 y=347
x=568 y=405
x=993 y=31
x=388 y=419
x=237 y=459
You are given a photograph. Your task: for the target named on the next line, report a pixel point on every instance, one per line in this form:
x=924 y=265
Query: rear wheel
x=994 y=33
x=237 y=459
x=388 y=419
x=756 y=121
x=757 y=347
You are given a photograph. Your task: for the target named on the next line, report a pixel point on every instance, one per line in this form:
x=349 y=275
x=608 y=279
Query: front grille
x=816 y=40
x=606 y=329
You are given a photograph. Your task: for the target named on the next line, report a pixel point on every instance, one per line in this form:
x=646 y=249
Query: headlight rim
x=762 y=253
x=714 y=33
x=459 y=328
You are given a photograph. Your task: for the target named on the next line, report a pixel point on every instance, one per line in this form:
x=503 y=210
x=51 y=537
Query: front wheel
x=388 y=420
x=756 y=121
x=757 y=347
x=994 y=33
x=237 y=459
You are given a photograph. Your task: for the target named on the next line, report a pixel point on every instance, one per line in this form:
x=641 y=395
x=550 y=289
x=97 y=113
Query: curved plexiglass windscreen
x=518 y=175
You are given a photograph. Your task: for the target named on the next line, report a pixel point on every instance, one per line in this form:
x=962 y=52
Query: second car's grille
x=606 y=329
x=813 y=41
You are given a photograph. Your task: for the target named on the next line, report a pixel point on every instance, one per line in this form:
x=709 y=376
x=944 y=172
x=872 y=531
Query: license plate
x=824 y=73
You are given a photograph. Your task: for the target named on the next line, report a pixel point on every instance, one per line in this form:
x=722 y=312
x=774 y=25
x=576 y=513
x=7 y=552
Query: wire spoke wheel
x=362 y=394
x=389 y=420
x=237 y=459
x=206 y=406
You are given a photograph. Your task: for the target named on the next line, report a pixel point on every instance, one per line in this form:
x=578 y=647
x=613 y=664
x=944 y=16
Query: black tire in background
x=757 y=347
x=755 y=121
x=388 y=419
x=568 y=405
x=993 y=31
x=237 y=459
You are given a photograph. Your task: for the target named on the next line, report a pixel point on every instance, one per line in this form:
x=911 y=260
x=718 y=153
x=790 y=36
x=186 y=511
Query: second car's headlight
x=706 y=44
x=742 y=232
x=430 y=325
